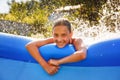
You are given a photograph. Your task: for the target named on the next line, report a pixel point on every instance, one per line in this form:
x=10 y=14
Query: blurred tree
x=30 y=13
x=36 y=13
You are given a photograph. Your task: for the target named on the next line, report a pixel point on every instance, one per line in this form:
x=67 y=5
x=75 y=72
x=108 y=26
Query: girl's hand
x=53 y=62
x=51 y=69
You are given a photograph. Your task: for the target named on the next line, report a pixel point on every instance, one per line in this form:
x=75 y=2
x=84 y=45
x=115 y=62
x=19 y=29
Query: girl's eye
x=55 y=35
x=63 y=35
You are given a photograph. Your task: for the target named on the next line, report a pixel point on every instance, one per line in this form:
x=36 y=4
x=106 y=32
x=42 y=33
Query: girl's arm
x=80 y=54
x=33 y=46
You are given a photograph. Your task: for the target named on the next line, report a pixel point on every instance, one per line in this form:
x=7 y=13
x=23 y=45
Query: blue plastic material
x=102 y=62
x=19 y=70
x=106 y=53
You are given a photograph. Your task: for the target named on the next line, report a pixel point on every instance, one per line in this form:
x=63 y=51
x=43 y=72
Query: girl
x=62 y=35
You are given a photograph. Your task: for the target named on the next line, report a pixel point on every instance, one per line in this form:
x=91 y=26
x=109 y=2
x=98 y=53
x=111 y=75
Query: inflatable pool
x=102 y=62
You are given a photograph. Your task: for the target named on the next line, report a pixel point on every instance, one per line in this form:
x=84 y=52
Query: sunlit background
x=92 y=20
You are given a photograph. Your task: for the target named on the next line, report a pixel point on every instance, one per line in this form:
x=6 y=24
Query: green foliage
x=36 y=13
x=28 y=10
x=89 y=10
x=92 y=8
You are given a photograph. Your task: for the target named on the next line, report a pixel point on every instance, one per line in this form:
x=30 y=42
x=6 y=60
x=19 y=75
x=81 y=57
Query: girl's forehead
x=61 y=27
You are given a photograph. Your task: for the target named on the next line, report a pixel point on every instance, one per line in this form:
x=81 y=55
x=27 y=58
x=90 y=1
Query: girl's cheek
x=54 y=39
x=66 y=39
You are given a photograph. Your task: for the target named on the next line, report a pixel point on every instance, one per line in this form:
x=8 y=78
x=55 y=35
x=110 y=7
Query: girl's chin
x=60 y=46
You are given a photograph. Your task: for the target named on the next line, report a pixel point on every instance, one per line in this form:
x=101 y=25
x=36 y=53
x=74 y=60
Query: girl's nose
x=59 y=39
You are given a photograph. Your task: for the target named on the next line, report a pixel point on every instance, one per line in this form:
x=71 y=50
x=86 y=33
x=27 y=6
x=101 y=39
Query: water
x=108 y=27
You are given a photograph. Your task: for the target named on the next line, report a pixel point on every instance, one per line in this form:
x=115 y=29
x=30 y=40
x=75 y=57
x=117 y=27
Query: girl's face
x=61 y=35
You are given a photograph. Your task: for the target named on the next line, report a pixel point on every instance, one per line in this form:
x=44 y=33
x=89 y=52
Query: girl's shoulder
x=76 y=39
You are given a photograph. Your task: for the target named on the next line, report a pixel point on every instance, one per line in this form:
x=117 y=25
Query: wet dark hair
x=64 y=22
